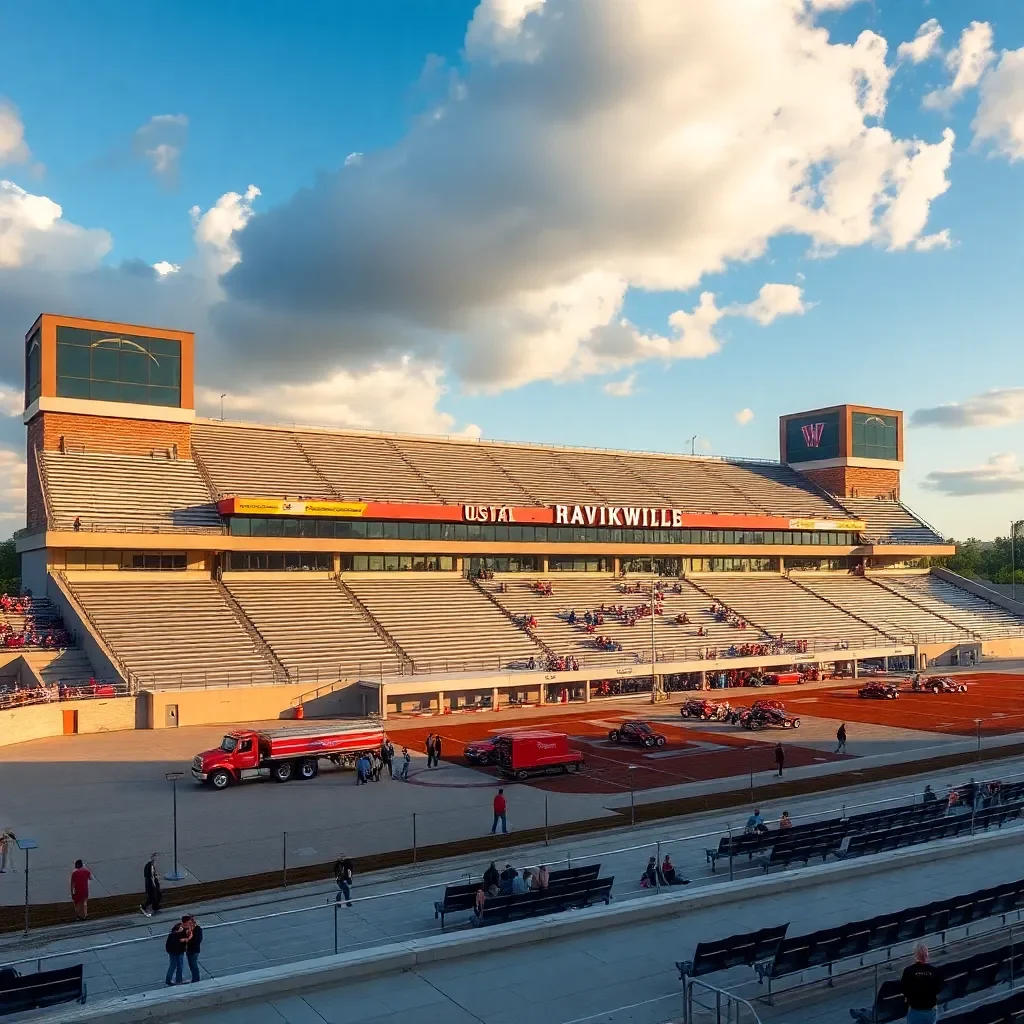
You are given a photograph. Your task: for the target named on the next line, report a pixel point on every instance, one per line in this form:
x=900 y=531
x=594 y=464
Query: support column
x=586 y=691
x=440 y=702
x=885 y=664
x=854 y=668
x=383 y=703
x=494 y=698
x=703 y=680
x=616 y=566
x=544 y=565
x=336 y=563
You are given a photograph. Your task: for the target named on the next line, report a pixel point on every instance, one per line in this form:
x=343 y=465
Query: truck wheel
x=308 y=769
x=282 y=771
x=572 y=766
x=220 y=780
x=521 y=775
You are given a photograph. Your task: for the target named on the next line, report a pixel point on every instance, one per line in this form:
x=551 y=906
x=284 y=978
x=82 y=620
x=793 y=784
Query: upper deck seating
x=173 y=631
x=127 y=492
x=780 y=606
x=258 y=461
x=690 y=484
x=780 y=490
x=463 y=473
x=444 y=624
x=890 y=612
x=889 y=522
x=546 y=474
x=313 y=628
x=984 y=619
x=674 y=640
x=365 y=467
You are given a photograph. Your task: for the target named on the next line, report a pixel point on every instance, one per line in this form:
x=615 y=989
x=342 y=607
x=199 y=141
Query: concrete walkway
x=241 y=934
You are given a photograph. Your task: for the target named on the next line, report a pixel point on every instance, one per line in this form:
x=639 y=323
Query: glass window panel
x=540 y=534
x=461 y=531
x=72 y=387
x=376 y=563
x=72 y=361
x=500 y=532
x=359 y=529
x=74 y=336
x=307 y=528
x=419 y=531
x=360 y=563
x=289 y=527
x=472 y=531
x=274 y=528
x=325 y=529
x=515 y=533
x=239 y=526
x=133 y=367
x=136 y=393
x=434 y=531
x=105 y=363
x=167 y=347
x=447 y=563
x=164 y=396
x=275 y=561
x=259 y=526
x=405 y=562
x=405 y=531
x=164 y=371
x=391 y=563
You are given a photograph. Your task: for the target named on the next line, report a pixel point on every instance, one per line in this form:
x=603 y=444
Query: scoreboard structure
x=852 y=451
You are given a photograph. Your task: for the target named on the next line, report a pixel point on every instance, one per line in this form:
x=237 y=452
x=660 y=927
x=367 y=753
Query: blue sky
x=536 y=197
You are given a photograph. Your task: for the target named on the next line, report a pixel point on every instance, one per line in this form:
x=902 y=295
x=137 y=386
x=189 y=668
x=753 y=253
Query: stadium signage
x=488 y=514
x=617 y=515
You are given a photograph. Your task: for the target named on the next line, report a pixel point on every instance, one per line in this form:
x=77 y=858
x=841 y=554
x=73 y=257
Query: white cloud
x=830 y=5
x=215 y=229
x=1000 y=475
x=12 y=487
x=353 y=159
x=999 y=407
x=744 y=416
x=1000 y=116
x=621 y=388
x=923 y=45
x=163 y=268
x=160 y=142
x=584 y=155
x=33 y=233
x=966 y=63
x=774 y=300
x=13 y=148
x=401 y=396
x=939 y=240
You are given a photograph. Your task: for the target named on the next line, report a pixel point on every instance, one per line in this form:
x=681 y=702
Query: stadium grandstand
x=180 y=551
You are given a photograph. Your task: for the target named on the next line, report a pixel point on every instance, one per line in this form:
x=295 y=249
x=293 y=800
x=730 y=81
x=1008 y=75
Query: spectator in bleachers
x=649 y=879
x=542 y=878
x=668 y=872
x=921 y=984
x=755 y=823
x=492 y=880
x=785 y=821
x=929 y=795
x=478 y=907
x=508 y=877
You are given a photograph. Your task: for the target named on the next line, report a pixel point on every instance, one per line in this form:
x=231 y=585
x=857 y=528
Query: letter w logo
x=812 y=434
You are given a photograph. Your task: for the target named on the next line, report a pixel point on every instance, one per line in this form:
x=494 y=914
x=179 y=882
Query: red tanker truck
x=522 y=754
x=284 y=754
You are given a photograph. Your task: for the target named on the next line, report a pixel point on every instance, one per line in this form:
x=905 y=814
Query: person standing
x=500 y=808
x=193 y=945
x=780 y=758
x=437 y=750
x=430 y=750
x=841 y=736
x=921 y=984
x=387 y=755
x=406 y=760
x=344 y=870
x=7 y=841
x=80 y=890
x=176 y=944
x=151 y=877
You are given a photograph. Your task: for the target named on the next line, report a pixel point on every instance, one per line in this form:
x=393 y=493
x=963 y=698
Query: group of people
x=542 y=587
x=656 y=875
x=18 y=604
x=724 y=614
x=17 y=695
x=370 y=765
x=605 y=643
x=756 y=824
x=558 y=663
x=48 y=640
x=507 y=882
x=184 y=942
x=433 y=749
x=525 y=621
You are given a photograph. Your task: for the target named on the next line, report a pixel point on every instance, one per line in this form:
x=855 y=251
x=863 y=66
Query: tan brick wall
x=857 y=481
x=37 y=721
x=35 y=509
x=112 y=434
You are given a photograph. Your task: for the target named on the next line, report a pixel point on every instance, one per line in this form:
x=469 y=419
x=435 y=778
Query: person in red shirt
x=499 y=813
x=80 y=890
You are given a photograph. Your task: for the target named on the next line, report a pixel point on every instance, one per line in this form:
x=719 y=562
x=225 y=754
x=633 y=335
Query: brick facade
x=35 y=508
x=857 y=481
x=109 y=434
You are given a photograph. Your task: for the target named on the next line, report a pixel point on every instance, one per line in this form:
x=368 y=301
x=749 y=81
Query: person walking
x=193 y=945
x=430 y=750
x=500 y=808
x=80 y=890
x=7 y=842
x=921 y=984
x=841 y=736
x=780 y=758
x=176 y=944
x=387 y=755
x=437 y=750
x=344 y=871
x=151 y=877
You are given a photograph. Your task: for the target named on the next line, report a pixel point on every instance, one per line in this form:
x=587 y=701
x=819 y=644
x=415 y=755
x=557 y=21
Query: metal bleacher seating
x=22 y=992
x=983 y=618
x=775 y=955
x=462 y=897
x=890 y=521
x=960 y=979
x=1008 y=1010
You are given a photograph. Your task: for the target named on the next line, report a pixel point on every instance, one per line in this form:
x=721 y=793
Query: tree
x=10 y=568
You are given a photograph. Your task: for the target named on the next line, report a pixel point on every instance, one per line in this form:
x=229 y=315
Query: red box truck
x=283 y=754
x=522 y=754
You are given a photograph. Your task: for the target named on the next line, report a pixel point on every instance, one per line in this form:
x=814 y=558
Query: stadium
x=350 y=572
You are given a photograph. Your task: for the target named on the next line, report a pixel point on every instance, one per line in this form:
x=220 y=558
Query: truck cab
x=238 y=757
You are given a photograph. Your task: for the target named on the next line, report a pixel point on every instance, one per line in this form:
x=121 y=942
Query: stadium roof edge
x=461 y=439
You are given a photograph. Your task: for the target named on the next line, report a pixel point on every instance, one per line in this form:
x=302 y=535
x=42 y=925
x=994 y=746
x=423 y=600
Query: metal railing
x=57 y=692
x=724 y=1004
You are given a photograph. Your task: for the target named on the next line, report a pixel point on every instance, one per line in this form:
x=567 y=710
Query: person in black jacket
x=176 y=944
x=151 y=877
x=344 y=870
x=193 y=945
x=780 y=757
x=491 y=878
x=921 y=984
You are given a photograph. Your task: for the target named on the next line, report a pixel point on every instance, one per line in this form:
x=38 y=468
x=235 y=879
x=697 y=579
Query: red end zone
x=691 y=754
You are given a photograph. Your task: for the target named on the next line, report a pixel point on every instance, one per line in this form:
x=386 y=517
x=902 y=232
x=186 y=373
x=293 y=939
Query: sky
x=651 y=226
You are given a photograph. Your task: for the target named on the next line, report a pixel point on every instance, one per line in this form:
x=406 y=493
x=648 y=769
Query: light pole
x=693 y=444
x=222 y=397
x=26 y=845
x=1014 y=523
x=632 y=807
x=172 y=778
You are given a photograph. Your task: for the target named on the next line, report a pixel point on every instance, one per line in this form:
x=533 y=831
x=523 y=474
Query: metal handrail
x=688 y=985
